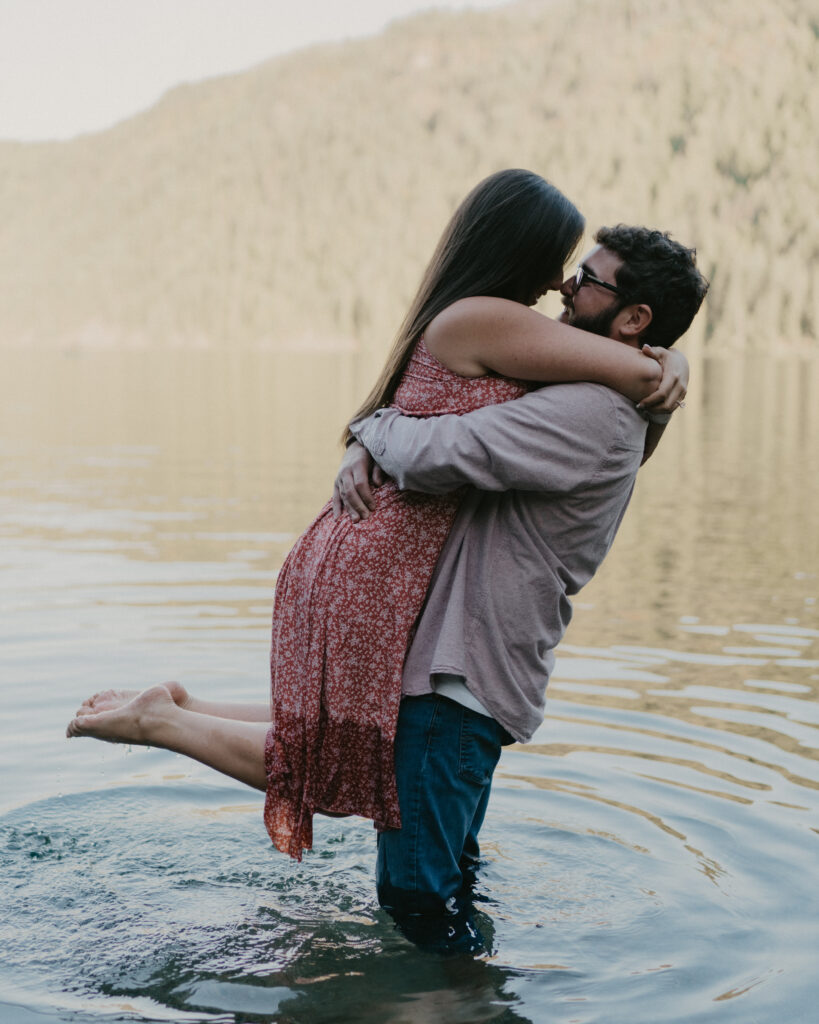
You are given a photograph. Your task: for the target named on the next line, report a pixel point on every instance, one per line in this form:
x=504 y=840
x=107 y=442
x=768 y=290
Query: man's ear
x=633 y=320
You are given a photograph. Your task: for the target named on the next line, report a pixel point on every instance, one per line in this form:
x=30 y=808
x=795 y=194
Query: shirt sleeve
x=554 y=439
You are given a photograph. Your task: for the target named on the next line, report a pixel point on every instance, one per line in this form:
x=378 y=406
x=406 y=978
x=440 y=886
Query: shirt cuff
x=656 y=417
x=367 y=432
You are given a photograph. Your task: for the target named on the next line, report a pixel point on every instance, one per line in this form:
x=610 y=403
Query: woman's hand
x=673 y=387
x=357 y=475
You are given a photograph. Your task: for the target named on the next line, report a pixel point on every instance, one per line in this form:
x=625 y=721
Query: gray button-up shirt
x=549 y=477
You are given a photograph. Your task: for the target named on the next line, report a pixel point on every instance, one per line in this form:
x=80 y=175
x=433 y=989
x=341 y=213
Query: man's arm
x=657 y=422
x=553 y=439
x=653 y=434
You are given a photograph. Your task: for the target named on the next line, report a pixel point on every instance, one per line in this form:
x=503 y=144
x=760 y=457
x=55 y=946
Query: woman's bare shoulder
x=459 y=335
x=477 y=311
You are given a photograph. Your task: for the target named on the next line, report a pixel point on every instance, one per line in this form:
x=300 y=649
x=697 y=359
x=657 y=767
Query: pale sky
x=73 y=66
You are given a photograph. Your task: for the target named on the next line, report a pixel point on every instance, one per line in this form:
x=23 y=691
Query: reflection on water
x=649 y=855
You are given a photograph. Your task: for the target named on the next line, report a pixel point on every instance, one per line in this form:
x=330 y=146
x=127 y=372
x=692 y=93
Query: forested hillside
x=297 y=203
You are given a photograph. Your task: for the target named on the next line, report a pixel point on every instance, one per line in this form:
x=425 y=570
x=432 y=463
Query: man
x=550 y=476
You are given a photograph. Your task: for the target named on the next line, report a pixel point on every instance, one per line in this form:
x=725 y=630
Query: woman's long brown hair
x=512 y=234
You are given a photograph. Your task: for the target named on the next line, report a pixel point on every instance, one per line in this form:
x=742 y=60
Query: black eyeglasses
x=584 y=277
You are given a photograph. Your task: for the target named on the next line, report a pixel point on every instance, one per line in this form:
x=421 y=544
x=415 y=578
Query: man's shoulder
x=584 y=391
x=583 y=395
x=592 y=411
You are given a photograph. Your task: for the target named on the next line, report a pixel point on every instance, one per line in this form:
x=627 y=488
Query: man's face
x=592 y=307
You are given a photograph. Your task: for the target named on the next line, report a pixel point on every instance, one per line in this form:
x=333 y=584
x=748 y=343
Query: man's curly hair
x=659 y=272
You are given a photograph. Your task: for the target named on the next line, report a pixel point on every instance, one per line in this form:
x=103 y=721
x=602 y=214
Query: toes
x=102 y=700
x=82 y=724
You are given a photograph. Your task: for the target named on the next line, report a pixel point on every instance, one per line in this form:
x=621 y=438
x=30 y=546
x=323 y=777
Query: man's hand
x=673 y=387
x=357 y=475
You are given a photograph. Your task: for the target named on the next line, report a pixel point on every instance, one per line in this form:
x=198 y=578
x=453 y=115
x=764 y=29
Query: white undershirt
x=455 y=688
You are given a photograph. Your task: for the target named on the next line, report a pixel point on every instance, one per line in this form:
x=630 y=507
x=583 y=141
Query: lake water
x=650 y=856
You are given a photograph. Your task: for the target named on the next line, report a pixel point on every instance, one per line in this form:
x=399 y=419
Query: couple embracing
x=415 y=620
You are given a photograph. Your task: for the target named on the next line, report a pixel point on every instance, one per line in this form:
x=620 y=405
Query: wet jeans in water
x=445 y=755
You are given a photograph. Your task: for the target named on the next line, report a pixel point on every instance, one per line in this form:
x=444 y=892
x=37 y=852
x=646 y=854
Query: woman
x=349 y=593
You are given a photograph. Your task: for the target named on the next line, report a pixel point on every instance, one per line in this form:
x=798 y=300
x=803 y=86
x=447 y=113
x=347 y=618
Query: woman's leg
x=108 y=700
x=154 y=719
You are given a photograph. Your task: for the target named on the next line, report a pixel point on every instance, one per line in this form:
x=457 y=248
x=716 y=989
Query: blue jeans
x=445 y=755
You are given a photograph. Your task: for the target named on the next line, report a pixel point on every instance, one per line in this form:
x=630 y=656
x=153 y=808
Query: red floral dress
x=347 y=599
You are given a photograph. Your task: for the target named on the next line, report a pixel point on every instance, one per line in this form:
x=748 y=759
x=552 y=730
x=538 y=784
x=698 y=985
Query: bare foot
x=110 y=700
x=134 y=721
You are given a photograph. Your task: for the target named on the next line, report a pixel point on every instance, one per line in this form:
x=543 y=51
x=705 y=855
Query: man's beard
x=600 y=323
